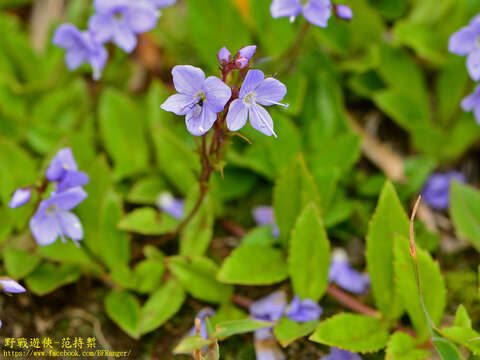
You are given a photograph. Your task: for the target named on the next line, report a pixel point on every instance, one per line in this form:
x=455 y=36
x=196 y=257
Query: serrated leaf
x=402 y=346
x=309 y=255
x=198 y=276
x=48 y=277
x=388 y=220
x=465 y=212
x=123 y=308
x=287 y=331
x=432 y=286
x=161 y=306
x=352 y=332
x=253 y=265
x=148 y=221
x=236 y=327
x=191 y=343
x=294 y=189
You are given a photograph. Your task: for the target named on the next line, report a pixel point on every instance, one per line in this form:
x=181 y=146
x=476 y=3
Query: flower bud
x=241 y=63
x=247 y=52
x=20 y=197
x=344 y=12
x=224 y=56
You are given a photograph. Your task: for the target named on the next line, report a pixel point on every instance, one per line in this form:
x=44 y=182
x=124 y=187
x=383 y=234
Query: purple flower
x=338 y=354
x=266 y=347
x=53 y=218
x=344 y=12
x=80 y=47
x=64 y=171
x=465 y=42
x=256 y=90
x=120 y=21
x=472 y=102
x=224 y=56
x=11 y=286
x=270 y=307
x=263 y=215
x=199 y=99
x=173 y=207
x=244 y=55
x=20 y=197
x=316 y=12
x=436 y=191
x=303 y=310
x=202 y=315
x=345 y=276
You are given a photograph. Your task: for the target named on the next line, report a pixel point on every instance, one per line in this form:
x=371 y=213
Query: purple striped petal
x=261 y=120
x=188 y=79
x=217 y=93
x=199 y=125
x=237 y=115
x=178 y=104
x=251 y=82
x=270 y=92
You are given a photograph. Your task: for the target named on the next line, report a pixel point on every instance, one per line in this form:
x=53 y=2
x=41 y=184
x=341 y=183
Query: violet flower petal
x=199 y=125
x=237 y=115
x=20 y=197
x=251 y=82
x=338 y=354
x=247 y=52
x=285 y=8
x=318 y=12
x=270 y=307
x=188 y=79
x=270 y=92
x=217 y=93
x=473 y=64
x=11 y=286
x=261 y=120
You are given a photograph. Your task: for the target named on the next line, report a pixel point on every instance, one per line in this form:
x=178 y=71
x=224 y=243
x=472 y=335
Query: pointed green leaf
x=402 y=346
x=388 y=220
x=48 y=277
x=357 y=333
x=446 y=349
x=463 y=336
x=236 y=327
x=191 y=343
x=123 y=308
x=309 y=256
x=253 y=265
x=462 y=318
x=148 y=221
x=287 y=331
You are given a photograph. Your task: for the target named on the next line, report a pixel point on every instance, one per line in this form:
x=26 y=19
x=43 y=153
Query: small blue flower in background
x=64 y=171
x=199 y=99
x=20 y=197
x=316 y=12
x=472 y=103
x=81 y=47
x=345 y=276
x=263 y=215
x=53 y=218
x=119 y=21
x=202 y=315
x=173 y=207
x=338 y=354
x=256 y=90
x=304 y=310
x=436 y=191
x=465 y=42
x=11 y=286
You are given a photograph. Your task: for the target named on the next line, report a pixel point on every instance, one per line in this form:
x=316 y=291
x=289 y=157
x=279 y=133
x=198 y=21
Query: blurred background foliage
x=384 y=78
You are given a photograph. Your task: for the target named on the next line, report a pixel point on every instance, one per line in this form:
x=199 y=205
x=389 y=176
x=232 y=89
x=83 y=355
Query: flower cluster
x=116 y=21
x=316 y=12
x=436 y=191
x=53 y=217
x=202 y=99
x=465 y=42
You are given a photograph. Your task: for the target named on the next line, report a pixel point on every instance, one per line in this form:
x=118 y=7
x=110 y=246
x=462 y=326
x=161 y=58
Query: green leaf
x=253 y=265
x=309 y=255
x=432 y=286
x=123 y=308
x=161 y=306
x=148 y=221
x=357 y=333
x=68 y=253
x=402 y=346
x=226 y=329
x=388 y=220
x=465 y=212
x=287 y=331
x=462 y=319
x=227 y=312
x=19 y=263
x=294 y=189
x=148 y=275
x=446 y=349
x=48 y=277
x=146 y=191
x=123 y=134
x=191 y=343
x=463 y=336
x=198 y=276
x=261 y=235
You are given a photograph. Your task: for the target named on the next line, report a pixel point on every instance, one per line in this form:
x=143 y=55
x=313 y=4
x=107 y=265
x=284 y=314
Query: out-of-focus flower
x=472 y=103
x=316 y=12
x=303 y=310
x=266 y=346
x=11 y=286
x=465 y=42
x=224 y=56
x=256 y=90
x=270 y=307
x=263 y=215
x=64 y=171
x=120 y=21
x=81 y=47
x=20 y=197
x=338 y=354
x=173 y=207
x=199 y=99
x=345 y=276
x=344 y=12
x=53 y=218
x=202 y=315
x=436 y=191
x=160 y=4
